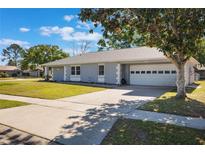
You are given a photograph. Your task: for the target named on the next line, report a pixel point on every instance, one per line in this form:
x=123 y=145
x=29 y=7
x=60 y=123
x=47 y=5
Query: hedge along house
x=134 y=66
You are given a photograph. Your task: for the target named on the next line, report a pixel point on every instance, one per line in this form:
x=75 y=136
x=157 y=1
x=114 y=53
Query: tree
x=81 y=47
x=41 y=54
x=201 y=55
x=85 y=45
x=175 y=32
x=13 y=54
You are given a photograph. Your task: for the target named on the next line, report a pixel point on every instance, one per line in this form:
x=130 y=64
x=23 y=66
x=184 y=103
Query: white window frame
x=76 y=70
x=101 y=78
x=75 y=66
x=99 y=69
x=71 y=70
x=75 y=77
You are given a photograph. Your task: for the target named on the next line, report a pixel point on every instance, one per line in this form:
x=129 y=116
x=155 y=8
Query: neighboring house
x=11 y=70
x=136 y=66
x=38 y=72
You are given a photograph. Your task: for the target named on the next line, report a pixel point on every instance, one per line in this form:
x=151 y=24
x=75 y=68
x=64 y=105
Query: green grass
x=46 y=90
x=8 y=78
x=22 y=78
x=8 y=104
x=132 y=132
x=193 y=105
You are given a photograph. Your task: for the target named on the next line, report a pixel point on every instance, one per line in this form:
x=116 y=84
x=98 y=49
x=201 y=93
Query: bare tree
x=85 y=45
x=81 y=47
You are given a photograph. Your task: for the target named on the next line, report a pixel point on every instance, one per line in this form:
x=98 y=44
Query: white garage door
x=155 y=74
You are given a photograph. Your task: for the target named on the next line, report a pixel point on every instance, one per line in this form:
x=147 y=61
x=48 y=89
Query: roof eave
x=159 y=60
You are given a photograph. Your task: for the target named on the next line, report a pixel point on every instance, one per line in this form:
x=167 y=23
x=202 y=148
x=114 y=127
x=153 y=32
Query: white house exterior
x=136 y=66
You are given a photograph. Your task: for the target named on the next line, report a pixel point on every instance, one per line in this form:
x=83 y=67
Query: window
x=101 y=69
x=132 y=72
x=174 y=72
x=137 y=72
x=154 y=72
x=72 y=70
x=148 y=72
x=160 y=72
x=167 y=72
x=142 y=72
x=75 y=70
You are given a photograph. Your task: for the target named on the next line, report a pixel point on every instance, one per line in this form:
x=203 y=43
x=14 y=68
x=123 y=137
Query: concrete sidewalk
x=198 y=123
x=50 y=103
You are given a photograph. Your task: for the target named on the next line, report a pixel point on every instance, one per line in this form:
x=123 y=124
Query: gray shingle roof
x=122 y=55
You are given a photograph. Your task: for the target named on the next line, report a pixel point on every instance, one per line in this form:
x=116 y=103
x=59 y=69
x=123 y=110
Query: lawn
x=46 y=90
x=8 y=104
x=21 y=78
x=9 y=78
x=193 y=105
x=132 y=132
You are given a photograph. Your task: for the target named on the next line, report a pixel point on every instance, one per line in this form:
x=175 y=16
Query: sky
x=29 y=27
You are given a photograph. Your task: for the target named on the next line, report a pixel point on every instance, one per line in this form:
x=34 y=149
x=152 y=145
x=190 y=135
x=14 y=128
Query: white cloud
x=23 y=29
x=78 y=36
x=83 y=25
x=68 y=33
x=6 y=42
x=68 y=17
x=64 y=32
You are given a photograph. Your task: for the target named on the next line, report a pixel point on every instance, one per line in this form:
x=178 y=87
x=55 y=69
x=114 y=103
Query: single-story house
x=134 y=66
x=11 y=70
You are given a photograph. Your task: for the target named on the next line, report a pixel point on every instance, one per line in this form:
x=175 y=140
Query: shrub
x=48 y=77
x=3 y=75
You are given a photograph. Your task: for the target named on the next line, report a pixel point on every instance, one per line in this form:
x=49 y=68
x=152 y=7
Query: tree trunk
x=181 y=92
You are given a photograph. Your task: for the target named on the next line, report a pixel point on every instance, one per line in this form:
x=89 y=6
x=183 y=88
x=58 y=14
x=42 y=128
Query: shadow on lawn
x=93 y=126
x=188 y=107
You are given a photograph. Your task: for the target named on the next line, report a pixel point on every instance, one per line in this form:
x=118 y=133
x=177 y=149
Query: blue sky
x=61 y=27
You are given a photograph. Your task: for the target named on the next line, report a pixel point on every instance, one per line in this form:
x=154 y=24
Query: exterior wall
x=46 y=71
x=36 y=73
x=125 y=72
x=89 y=73
x=67 y=73
x=58 y=73
x=111 y=73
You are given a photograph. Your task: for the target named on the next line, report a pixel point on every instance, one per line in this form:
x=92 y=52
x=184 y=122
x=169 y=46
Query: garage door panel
x=150 y=78
x=58 y=74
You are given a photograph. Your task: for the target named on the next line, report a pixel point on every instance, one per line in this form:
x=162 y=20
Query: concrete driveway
x=83 y=119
